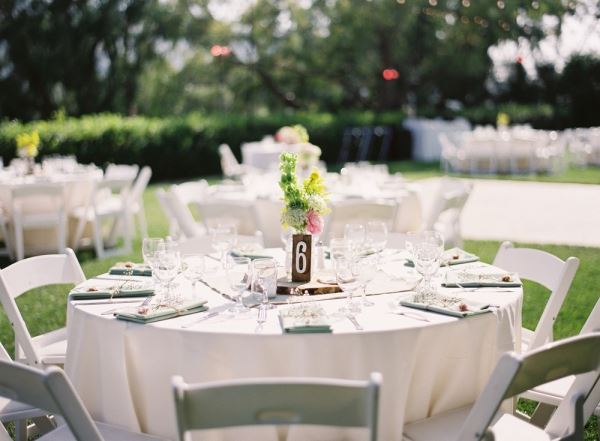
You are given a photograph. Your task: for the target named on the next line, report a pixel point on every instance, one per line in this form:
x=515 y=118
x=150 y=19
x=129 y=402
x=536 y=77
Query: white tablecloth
x=263 y=155
x=122 y=370
x=77 y=191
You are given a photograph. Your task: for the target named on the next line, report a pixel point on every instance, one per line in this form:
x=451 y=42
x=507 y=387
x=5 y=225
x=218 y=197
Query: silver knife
x=206 y=317
x=357 y=325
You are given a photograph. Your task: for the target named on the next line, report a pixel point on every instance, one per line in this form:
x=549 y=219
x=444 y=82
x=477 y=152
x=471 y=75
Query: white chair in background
x=109 y=201
x=550 y=395
x=240 y=213
x=164 y=201
x=452 y=157
x=184 y=219
x=52 y=391
x=277 y=401
x=8 y=246
x=229 y=164
x=28 y=274
x=49 y=195
x=19 y=413
x=547 y=270
x=121 y=171
x=137 y=199
x=358 y=211
x=203 y=244
x=513 y=375
x=191 y=192
x=449 y=203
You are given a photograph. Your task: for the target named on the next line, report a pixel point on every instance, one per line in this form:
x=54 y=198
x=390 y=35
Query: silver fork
x=262 y=318
x=353 y=320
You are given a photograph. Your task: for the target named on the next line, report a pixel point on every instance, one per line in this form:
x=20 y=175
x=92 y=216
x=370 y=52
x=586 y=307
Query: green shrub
x=180 y=147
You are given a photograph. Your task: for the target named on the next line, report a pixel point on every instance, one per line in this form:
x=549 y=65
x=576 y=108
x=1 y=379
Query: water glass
x=149 y=249
x=355 y=236
x=193 y=267
x=166 y=267
x=264 y=280
x=338 y=248
x=223 y=237
x=427 y=250
x=377 y=237
x=365 y=268
x=238 y=275
x=348 y=281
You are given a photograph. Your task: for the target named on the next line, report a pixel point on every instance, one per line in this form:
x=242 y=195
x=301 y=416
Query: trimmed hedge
x=183 y=147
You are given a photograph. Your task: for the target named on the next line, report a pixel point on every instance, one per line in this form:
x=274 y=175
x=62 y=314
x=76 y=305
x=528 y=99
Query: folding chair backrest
x=140 y=184
x=452 y=195
x=49 y=390
x=516 y=373
x=31 y=273
x=191 y=192
x=277 y=401
x=3 y=354
x=121 y=171
x=543 y=268
x=165 y=204
x=229 y=163
x=181 y=211
x=50 y=195
x=241 y=213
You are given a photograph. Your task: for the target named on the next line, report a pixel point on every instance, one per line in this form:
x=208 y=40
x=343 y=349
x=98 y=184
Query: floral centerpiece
x=27 y=148
x=296 y=134
x=304 y=205
x=502 y=120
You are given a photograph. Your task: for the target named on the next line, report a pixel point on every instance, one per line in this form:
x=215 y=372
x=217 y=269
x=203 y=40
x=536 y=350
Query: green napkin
x=481 y=280
x=161 y=312
x=304 y=319
x=249 y=255
x=456 y=256
x=116 y=291
x=130 y=269
x=449 y=306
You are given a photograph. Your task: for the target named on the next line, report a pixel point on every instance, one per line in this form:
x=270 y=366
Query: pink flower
x=314 y=222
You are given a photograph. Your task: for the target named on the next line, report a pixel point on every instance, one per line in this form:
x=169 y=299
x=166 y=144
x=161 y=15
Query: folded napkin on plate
x=456 y=256
x=115 y=291
x=250 y=254
x=458 y=279
x=157 y=313
x=304 y=319
x=130 y=269
x=449 y=306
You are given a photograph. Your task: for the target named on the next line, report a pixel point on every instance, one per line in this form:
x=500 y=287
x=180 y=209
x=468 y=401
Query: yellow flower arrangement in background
x=502 y=120
x=27 y=144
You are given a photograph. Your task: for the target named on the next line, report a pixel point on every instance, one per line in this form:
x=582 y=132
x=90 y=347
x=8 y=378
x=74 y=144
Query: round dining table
x=430 y=362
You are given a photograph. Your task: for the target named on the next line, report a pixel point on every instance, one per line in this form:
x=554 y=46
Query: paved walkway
x=533 y=212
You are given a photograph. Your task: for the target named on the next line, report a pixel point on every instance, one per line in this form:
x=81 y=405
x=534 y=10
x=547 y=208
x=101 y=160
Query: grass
x=44 y=309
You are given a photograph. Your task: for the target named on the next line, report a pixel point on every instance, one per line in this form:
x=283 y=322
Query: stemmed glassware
x=264 y=279
x=364 y=268
x=376 y=238
x=427 y=250
x=355 y=236
x=193 y=267
x=166 y=267
x=223 y=237
x=347 y=279
x=150 y=253
x=239 y=277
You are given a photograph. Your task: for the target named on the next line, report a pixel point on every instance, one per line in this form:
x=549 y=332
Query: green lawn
x=45 y=309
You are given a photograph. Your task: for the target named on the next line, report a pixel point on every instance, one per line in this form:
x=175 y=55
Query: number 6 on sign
x=301 y=257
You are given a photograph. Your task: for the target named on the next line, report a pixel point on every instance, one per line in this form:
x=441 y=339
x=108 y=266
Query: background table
x=122 y=370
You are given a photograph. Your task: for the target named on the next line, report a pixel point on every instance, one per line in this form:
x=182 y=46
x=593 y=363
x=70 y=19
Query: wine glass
x=427 y=250
x=347 y=280
x=238 y=275
x=355 y=236
x=365 y=268
x=338 y=247
x=166 y=266
x=223 y=237
x=377 y=237
x=264 y=279
x=149 y=251
x=193 y=267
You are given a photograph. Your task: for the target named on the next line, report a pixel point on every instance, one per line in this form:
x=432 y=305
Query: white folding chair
x=19 y=413
x=109 y=201
x=229 y=164
x=35 y=207
x=164 y=201
x=203 y=244
x=51 y=390
x=550 y=395
x=191 y=192
x=186 y=223
x=277 y=401
x=359 y=211
x=28 y=274
x=136 y=198
x=126 y=172
x=513 y=375
x=240 y=213
x=547 y=270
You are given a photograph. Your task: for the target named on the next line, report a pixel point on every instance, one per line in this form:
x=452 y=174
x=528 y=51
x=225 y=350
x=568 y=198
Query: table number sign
x=301 y=257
